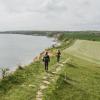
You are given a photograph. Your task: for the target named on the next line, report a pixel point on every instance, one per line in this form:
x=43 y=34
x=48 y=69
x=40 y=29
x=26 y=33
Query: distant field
x=93 y=36
x=88 y=50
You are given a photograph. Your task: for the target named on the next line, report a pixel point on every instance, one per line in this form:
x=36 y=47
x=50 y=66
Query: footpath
x=48 y=78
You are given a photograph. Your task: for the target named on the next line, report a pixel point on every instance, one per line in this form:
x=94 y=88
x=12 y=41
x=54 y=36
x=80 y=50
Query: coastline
x=76 y=78
x=36 y=58
x=32 y=58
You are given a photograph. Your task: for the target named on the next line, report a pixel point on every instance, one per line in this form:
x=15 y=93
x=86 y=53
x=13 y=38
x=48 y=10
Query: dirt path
x=47 y=79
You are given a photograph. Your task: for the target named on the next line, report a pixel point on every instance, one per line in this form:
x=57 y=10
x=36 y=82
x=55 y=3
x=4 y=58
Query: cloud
x=49 y=14
x=55 y=5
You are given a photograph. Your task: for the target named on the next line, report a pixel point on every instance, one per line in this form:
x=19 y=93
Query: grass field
x=88 y=50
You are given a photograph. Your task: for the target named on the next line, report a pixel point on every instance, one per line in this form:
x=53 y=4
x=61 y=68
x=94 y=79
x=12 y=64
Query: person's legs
x=46 y=66
x=58 y=59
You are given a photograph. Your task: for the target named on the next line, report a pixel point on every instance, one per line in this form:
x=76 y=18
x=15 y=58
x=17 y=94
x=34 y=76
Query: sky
x=58 y=15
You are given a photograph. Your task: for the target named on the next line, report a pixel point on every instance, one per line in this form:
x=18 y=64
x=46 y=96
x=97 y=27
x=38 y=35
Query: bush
x=4 y=72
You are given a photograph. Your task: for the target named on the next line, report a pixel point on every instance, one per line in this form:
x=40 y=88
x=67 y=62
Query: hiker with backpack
x=46 y=60
x=58 y=55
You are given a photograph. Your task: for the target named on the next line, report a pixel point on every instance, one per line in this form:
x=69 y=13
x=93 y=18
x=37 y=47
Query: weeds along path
x=48 y=78
x=51 y=76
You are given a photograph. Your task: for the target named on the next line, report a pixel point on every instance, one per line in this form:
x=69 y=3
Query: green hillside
x=80 y=75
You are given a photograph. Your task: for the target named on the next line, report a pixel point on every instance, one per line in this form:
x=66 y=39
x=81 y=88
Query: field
x=76 y=77
x=80 y=76
x=87 y=50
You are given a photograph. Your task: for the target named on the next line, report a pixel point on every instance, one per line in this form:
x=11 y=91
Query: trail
x=47 y=80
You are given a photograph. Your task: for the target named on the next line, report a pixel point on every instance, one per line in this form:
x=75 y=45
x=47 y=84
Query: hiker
x=58 y=55
x=46 y=60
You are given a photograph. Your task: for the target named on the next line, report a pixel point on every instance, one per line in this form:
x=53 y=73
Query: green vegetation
x=12 y=87
x=79 y=79
x=94 y=36
x=4 y=72
x=63 y=35
x=84 y=49
x=23 y=83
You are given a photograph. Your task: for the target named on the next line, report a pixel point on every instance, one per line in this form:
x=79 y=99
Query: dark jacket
x=46 y=58
x=58 y=54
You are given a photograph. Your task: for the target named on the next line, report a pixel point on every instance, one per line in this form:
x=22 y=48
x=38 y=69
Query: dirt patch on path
x=47 y=79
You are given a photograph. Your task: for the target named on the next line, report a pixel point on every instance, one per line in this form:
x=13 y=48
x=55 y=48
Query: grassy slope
x=11 y=89
x=16 y=86
x=79 y=79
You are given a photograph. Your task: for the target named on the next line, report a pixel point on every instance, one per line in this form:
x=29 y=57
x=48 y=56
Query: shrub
x=4 y=72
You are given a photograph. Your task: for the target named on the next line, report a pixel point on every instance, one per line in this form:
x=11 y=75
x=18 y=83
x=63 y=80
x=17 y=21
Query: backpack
x=46 y=58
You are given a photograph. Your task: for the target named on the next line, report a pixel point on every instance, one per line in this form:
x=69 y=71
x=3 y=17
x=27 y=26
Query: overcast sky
x=49 y=15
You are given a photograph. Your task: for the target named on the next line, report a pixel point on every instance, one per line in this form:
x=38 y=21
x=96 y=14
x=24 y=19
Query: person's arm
x=43 y=59
x=49 y=58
